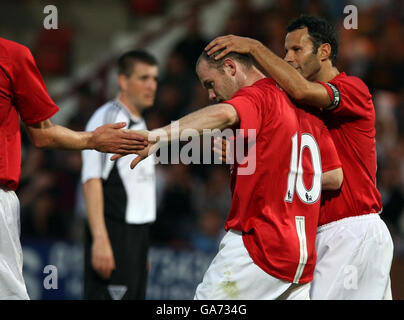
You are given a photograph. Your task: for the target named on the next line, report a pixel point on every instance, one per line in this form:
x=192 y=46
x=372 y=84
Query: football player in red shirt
x=268 y=251
x=354 y=246
x=23 y=95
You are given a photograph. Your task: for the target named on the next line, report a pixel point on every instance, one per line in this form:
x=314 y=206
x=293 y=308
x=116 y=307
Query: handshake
x=146 y=143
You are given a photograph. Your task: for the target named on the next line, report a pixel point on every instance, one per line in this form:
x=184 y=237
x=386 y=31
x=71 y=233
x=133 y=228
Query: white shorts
x=354 y=257
x=12 y=285
x=233 y=275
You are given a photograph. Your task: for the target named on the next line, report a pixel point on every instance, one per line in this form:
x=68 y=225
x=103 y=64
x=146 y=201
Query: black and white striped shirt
x=129 y=195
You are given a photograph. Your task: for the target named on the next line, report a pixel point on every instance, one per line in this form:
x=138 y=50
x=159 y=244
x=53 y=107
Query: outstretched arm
x=218 y=116
x=285 y=75
x=109 y=138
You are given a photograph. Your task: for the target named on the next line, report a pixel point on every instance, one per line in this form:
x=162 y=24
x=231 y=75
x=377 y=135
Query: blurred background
x=77 y=61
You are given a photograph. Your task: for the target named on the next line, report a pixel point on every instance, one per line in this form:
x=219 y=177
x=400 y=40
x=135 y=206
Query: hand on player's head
x=229 y=43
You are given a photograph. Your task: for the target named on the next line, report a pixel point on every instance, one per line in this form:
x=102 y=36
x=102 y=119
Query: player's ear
x=123 y=82
x=230 y=66
x=324 y=51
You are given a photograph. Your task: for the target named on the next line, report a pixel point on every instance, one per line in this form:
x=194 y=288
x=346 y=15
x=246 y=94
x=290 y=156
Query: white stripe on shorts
x=301 y=233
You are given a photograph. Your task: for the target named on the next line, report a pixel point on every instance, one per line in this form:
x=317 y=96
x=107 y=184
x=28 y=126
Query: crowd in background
x=193 y=200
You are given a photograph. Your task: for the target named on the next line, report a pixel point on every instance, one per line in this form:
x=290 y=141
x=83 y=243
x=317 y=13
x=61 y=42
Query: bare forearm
x=94 y=199
x=332 y=180
x=217 y=116
x=108 y=138
x=283 y=73
x=58 y=137
x=48 y=135
x=299 y=88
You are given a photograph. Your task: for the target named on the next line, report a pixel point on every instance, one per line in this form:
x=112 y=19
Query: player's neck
x=133 y=110
x=253 y=76
x=326 y=73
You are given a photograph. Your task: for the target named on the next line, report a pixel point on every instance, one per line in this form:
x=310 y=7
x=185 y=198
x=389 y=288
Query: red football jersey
x=277 y=205
x=352 y=128
x=22 y=92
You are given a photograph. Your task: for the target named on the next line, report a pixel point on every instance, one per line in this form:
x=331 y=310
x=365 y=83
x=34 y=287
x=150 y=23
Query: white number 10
x=295 y=177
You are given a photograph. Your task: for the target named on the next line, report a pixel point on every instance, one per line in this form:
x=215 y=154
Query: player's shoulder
x=263 y=88
x=11 y=49
x=349 y=83
x=111 y=106
x=103 y=114
x=271 y=88
x=266 y=84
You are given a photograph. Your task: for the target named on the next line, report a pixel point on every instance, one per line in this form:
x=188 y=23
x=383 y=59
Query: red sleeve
x=249 y=109
x=350 y=97
x=32 y=99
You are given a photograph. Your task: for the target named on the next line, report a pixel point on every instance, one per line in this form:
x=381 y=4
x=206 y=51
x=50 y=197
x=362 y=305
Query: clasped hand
x=154 y=143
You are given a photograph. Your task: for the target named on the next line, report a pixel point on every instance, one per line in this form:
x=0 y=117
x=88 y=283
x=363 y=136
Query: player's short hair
x=244 y=59
x=320 y=31
x=127 y=61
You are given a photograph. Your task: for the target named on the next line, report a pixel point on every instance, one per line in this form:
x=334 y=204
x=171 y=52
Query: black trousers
x=128 y=281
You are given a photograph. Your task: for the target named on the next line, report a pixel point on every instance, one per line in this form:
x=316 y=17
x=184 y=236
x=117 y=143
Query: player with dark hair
x=320 y=31
x=121 y=203
x=127 y=61
x=353 y=243
x=268 y=251
x=23 y=95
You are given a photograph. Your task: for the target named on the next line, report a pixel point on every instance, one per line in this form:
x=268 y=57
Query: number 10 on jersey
x=295 y=176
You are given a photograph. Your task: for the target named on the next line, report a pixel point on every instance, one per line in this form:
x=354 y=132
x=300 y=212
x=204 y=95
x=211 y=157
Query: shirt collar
x=132 y=119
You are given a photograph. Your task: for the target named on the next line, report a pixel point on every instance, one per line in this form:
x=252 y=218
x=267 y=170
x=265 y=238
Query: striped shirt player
x=269 y=249
x=129 y=209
